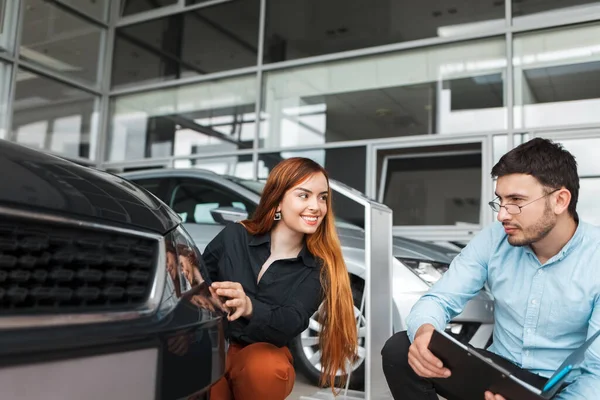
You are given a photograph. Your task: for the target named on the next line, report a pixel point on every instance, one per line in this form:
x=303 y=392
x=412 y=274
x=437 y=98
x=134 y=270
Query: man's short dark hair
x=548 y=162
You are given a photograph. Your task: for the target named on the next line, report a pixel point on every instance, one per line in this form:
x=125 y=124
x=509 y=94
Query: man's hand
x=238 y=300
x=422 y=361
x=492 y=396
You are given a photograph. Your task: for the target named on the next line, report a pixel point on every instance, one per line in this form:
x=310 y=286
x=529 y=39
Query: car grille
x=48 y=268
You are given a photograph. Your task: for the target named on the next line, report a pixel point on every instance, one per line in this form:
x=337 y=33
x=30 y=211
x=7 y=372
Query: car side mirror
x=228 y=215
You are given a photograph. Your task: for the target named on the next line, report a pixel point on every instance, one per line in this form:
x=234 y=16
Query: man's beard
x=537 y=232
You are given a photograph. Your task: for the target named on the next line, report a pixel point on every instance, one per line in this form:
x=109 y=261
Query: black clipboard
x=473 y=373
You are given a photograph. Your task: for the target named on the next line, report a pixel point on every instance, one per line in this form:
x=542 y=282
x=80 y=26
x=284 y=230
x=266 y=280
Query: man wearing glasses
x=542 y=266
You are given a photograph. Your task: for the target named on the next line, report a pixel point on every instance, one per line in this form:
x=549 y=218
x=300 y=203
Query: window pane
x=129 y=7
x=499 y=146
x=588 y=206
x=390 y=95
x=338 y=168
x=585 y=152
x=197 y=42
x=194 y=119
x=52 y=116
x=5 y=75
x=240 y=166
x=192 y=2
x=8 y=23
x=95 y=8
x=541 y=8
x=60 y=41
x=438 y=185
x=553 y=71
x=297 y=29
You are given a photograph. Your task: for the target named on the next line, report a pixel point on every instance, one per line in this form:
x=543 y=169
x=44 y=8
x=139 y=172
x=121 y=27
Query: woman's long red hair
x=338 y=336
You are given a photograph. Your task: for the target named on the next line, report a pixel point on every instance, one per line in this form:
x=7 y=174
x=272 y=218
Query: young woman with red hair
x=275 y=270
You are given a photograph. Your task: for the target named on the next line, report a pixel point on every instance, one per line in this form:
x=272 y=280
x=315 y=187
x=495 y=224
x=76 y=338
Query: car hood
x=37 y=181
x=402 y=247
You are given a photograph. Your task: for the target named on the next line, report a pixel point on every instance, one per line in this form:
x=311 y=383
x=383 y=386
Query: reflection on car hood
x=37 y=181
x=402 y=247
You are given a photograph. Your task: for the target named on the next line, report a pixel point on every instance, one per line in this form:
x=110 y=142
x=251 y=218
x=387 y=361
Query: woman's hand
x=491 y=396
x=179 y=344
x=238 y=301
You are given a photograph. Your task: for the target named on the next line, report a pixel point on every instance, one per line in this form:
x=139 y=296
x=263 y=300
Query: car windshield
x=258 y=186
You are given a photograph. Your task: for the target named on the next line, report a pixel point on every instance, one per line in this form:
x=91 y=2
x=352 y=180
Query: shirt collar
x=307 y=258
x=568 y=247
x=574 y=241
x=257 y=240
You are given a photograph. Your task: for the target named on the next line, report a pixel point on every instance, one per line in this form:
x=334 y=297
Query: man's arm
x=465 y=278
x=587 y=385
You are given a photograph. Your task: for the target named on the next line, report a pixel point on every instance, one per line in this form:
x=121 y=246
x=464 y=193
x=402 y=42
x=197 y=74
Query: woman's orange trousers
x=259 y=371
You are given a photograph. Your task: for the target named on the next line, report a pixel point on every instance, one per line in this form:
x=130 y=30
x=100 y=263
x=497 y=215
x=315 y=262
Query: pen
x=557 y=377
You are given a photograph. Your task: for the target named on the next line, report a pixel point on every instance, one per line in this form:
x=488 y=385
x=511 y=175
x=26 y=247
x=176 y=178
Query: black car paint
x=45 y=184
x=34 y=180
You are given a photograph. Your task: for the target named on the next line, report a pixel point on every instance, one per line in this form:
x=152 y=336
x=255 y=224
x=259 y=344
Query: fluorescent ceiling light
x=470 y=28
x=48 y=61
x=23 y=75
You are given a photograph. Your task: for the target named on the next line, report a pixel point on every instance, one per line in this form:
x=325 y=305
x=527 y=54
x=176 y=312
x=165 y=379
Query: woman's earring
x=277 y=216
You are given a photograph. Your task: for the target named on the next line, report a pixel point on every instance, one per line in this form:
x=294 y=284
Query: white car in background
x=206 y=201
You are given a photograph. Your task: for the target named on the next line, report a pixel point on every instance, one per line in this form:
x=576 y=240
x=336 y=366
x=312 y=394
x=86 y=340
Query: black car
x=102 y=292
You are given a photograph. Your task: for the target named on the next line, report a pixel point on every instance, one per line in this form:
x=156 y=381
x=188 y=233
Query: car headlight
x=186 y=276
x=428 y=272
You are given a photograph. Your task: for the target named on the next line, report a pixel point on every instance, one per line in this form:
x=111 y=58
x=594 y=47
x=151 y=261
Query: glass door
x=436 y=187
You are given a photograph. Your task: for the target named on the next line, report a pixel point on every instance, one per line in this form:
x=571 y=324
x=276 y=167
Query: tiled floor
x=302 y=388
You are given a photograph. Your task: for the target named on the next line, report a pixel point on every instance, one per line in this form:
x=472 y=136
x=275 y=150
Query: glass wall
x=8 y=25
x=97 y=9
x=49 y=115
x=446 y=89
x=209 y=84
x=585 y=150
x=60 y=41
x=555 y=71
x=196 y=42
x=130 y=7
x=550 y=8
x=297 y=29
x=51 y=75
x=5 y=75
x=240 y=166
x=202 y=118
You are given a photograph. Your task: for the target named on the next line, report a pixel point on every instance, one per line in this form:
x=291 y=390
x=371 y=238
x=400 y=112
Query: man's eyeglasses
x=514 y=209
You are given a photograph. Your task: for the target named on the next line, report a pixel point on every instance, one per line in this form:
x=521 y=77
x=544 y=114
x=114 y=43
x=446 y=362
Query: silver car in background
x=206 y=201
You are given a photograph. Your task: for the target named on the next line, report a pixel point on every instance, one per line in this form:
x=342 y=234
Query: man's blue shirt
x=542 y=312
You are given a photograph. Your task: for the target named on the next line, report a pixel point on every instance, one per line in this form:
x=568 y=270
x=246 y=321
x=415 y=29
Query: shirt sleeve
x=213 y=253
x=587 y=385
x=278 y=324
x=463 y=280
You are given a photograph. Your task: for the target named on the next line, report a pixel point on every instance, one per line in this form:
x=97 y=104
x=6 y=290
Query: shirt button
x=527 y=352
x=528 y=330
x=540 y=272
x=534 y=301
